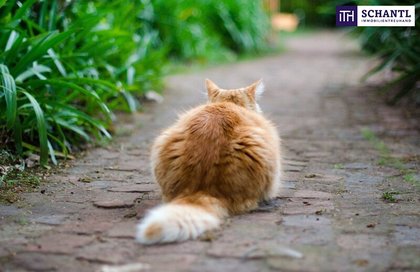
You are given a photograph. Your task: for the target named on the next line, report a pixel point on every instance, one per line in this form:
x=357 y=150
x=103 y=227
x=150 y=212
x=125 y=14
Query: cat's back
x=212 y=133
x=219 y=120
x=212 y=122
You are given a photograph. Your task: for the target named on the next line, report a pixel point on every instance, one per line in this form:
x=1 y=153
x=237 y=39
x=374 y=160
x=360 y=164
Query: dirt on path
x=349 y=202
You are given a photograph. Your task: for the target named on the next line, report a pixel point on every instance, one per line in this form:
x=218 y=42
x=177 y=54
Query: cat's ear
x=256 y=89
x=212 y=88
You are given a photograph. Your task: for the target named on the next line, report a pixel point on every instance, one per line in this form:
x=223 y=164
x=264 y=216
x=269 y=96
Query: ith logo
x=346 y=16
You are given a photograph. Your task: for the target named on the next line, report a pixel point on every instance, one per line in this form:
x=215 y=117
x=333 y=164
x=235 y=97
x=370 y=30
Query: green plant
x=338 y=166
x=210 y=29
x=411 y=178
x=389 y=196
x=312 y=13
x=386 y=158
x=397 y=47
x=63 y=71
x=399 y=50
x=66 y=66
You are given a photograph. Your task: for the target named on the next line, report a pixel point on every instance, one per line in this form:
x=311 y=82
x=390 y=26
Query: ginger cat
x=217 y=160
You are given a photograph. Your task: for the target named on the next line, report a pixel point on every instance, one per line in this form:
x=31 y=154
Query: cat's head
x=245 y=97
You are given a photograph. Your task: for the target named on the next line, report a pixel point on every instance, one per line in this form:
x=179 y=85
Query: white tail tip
x=175 y=222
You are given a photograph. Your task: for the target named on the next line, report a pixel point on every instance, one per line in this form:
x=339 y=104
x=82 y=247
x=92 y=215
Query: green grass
x=61 y=80
x=411 y=178
x=14 y=178
x=66 y=67
x=389 y=196
x=386 y=158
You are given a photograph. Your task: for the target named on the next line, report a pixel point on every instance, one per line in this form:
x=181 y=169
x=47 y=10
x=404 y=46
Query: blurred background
x=67 y=66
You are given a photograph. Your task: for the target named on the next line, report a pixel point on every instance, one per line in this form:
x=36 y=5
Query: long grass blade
x=8 y=86
x=68 y=85
x=42 y=128
x=40 y=48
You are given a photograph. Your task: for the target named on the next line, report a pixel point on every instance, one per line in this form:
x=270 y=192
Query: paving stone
x=332 y=259
x=312 y=194
x=316 y=154
x=291 y=176
x=292 y=168
x=22 y=230
x=294 y=162
x=288 y=185
x=137 y=188
x=264 y=226
x=311 y=261
x=305 y=220
x=360 y=241
x=169 y=262
x=122 y=168
x=39 y=262
x=286 y=193
x=12 y=246
x=305 y=235
x=232 y=249
x=86 y=227
x=406 y=259
x=356 y=165
x=188 y=247
x=322 y=178
x=109 y=251
x=55 y=219
x=59 y=243
x=207 y=264
x=126 y=229
x=113 y=204
x=271 y=249
x=407 y=236
x=146 y=205
x=9 y=210
x=105 y=184
x=308 y=207
x=137 y=266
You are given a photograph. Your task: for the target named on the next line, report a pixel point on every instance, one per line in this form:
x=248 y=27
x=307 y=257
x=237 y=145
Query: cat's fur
x=217 y=160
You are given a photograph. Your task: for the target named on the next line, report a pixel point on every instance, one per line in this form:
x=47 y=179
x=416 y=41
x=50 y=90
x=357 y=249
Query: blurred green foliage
x=311 y=13
x=397 y=47
x=210 y=29
x=399 y=50
x=65 y=66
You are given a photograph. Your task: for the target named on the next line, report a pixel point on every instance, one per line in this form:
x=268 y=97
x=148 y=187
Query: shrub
x=210 y=29
x=66 y=66
x=64 y=69
x=399 y=50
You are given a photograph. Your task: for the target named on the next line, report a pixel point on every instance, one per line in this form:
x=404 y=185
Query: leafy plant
x=211 y=29
x=67 y=66
x=63 y=71
x=399 y=49
x=389 y=196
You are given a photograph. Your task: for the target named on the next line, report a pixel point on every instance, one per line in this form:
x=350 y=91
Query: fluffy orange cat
x=218 y=159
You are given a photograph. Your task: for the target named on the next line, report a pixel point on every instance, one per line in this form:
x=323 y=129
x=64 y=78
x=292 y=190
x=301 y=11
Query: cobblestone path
x=349 y=202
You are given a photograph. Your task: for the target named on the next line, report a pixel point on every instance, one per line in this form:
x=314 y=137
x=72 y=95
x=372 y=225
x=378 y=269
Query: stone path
x=330 y=215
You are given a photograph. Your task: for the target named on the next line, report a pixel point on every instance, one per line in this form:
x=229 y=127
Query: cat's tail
x=181 y=219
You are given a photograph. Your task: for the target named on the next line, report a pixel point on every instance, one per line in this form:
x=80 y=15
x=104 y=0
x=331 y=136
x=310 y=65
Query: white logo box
x=405 y=16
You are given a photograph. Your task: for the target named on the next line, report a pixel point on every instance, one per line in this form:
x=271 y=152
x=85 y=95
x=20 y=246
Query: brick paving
x=329 y=216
